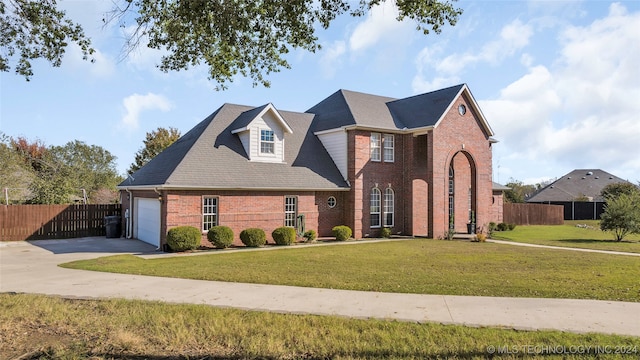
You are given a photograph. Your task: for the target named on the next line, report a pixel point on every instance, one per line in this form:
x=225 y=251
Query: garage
x=147 y=220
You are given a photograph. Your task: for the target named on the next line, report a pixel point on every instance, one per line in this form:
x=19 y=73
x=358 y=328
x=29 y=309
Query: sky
x=558 y=82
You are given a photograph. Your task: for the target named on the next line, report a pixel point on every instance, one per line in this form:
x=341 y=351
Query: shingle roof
x=345 y=107
x=576 y=184
x=210 y=156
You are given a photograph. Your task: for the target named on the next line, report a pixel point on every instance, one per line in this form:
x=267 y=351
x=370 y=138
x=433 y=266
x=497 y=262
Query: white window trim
x=389 y=209
x=272 y=142
x=288 y=212
x=373 y=147
x=205 y=214
x=385 y=147
x=379 y=206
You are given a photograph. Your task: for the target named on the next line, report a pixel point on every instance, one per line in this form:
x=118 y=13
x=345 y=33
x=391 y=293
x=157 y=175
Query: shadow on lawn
x=596 y=241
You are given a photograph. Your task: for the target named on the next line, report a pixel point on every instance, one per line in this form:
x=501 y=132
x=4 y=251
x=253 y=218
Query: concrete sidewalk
x=31 y=267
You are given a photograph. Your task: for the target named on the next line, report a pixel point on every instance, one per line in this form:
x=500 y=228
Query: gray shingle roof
x=210 y=156
x=576 y=184
x=344 y=108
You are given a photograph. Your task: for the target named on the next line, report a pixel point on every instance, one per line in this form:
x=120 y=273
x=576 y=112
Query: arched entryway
x=461 y=191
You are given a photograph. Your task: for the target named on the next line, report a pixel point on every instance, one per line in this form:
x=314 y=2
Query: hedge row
x=184 y=238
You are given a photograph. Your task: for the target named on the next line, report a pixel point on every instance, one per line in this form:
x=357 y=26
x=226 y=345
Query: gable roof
x=209 y=156
x=242 y=122
x=578 y=183
x=346 y=108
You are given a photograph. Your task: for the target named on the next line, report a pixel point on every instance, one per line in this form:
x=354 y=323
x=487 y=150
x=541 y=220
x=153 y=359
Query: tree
x=616 y=189
x=33 y=29
x=88 y=167
x=518 y=191
x=246 y=37
x=16 y=175
x=154 y=143
x=622 y=215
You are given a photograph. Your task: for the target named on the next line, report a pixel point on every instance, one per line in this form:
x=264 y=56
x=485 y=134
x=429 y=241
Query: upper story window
x=388 y=144
x=267 y=142
x=375 y=146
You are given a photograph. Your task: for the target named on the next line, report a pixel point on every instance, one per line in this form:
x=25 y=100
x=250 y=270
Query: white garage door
x=147 y=220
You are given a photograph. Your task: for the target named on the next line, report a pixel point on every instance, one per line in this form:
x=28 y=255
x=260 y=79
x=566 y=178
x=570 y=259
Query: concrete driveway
x=31 y=267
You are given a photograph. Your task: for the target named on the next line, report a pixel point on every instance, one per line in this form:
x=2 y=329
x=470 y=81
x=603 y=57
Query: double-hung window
x=375 y=146
x=209 y=212
x=387 y=143
x=388 y=207
x=267 y=142
x=375 y=207
x=290 y=210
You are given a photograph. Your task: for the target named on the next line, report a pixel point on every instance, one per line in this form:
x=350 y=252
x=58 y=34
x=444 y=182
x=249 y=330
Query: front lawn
x=570 y=235
x=420 y=266
x=41 y=327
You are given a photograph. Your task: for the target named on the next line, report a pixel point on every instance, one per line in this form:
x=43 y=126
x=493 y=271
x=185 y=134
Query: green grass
x=40 y=327
x=568 y=235
x=408 y=266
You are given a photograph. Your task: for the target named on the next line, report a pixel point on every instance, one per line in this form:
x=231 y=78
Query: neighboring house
x=414 y=165
x=579 y=192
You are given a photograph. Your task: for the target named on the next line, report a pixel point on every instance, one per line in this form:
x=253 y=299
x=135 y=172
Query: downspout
x=161 y=200
x=127 y=215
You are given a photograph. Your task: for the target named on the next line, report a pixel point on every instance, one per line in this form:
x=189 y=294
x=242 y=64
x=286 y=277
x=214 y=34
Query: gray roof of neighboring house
x=576 y=184
x=210 y=156
x=344 y=108
x=499 y=187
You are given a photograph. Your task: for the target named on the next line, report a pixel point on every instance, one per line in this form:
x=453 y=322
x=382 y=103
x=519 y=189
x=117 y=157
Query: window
x=388 y=207
x=375 y=146
x=375 y=208
x=290 y=211
x=267 y=143
x=209 y=212
x=331 y=202
x=387 y=142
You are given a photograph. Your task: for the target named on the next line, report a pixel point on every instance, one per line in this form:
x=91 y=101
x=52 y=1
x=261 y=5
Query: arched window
x=388 y=207
x=375 y=207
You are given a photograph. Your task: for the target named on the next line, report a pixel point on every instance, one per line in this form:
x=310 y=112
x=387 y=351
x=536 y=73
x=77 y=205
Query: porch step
x=463 y=236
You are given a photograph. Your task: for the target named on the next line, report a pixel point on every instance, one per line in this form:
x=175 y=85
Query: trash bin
x=112 y=225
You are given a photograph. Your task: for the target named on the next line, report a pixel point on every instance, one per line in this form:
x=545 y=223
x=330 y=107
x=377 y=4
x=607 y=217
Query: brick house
x=416 y=165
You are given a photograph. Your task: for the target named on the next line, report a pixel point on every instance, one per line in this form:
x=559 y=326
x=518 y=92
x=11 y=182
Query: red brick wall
x=364 y=175
x=460 y=134
x=497 y=208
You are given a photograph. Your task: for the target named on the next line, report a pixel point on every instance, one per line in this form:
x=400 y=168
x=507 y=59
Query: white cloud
x=136 y=104
x=582 y=111
x=102 y=66
x=513 y=37
x=331 y=59
x=381 y=24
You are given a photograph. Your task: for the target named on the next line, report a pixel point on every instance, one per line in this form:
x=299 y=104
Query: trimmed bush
x=511 y=226
x=253 y=237
x=481 y=237
x=220 y=236
x=183 y=238
x=310 y=236
x=284 y=235
x=502 y=227
x=342 y=232
x=385 y=233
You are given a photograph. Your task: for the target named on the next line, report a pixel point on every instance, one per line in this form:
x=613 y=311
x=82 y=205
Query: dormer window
x=262 y=133
x=267 y=142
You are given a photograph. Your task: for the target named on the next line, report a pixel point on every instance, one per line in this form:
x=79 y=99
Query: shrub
x=341 y=232
x=385 y=232
x=220 y=236
x=310 y=236
x=253 y=237
x=183 y=238
x=284 y=235
x=491 y=228
x=502 y=227
x=511 y=226
x=481 y=237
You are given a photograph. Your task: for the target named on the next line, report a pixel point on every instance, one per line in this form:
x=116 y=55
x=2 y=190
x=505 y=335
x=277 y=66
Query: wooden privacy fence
x=533 y=214
x=37 y=222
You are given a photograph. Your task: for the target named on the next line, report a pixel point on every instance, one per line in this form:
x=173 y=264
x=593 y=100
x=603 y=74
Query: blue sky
x=558 y=81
